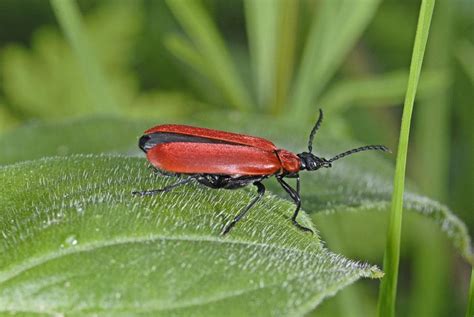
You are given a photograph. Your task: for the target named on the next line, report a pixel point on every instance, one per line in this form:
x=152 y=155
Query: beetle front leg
x=295 y=195
x=164 y=189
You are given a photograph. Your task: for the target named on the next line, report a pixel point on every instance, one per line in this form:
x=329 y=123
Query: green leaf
x=76 y=241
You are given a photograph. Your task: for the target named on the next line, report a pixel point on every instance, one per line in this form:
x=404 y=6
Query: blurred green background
x=163 y=61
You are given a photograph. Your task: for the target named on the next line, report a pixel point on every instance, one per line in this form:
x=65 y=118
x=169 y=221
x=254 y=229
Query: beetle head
x=311 y=162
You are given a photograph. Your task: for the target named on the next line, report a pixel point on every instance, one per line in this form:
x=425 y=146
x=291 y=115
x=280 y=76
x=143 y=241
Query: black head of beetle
x=311 y=162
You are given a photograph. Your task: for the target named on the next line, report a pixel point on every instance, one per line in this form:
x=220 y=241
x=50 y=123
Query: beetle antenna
x=360 y=149
x=315 y=129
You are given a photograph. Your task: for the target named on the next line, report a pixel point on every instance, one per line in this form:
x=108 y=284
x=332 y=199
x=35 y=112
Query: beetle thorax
x=290 y=162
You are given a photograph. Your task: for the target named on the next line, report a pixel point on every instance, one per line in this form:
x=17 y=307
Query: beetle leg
x=260 y=192
x=295 y=195
x=164 y=189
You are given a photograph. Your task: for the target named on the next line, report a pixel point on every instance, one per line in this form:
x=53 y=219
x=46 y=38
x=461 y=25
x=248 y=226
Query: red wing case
x=213 y=135
x=210 y=158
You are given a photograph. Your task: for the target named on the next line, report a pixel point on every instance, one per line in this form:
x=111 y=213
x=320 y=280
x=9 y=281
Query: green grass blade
x=210 y=44
x=285 y=52
x=388 y=287
x=261 y=18
x=335 y=29
x=470 y=307
x=430 y=271
x=186 y=52
x=433 y=145
x=69 y=18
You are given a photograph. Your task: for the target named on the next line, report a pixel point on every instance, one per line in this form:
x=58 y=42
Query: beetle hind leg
x=164 y=189
x=260 y=193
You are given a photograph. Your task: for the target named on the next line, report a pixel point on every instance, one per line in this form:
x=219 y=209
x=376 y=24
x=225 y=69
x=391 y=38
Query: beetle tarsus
x=302 y=228
x=148 y=192
x=227 y=227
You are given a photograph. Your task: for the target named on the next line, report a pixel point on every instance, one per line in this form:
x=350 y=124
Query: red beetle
x=219 y=159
